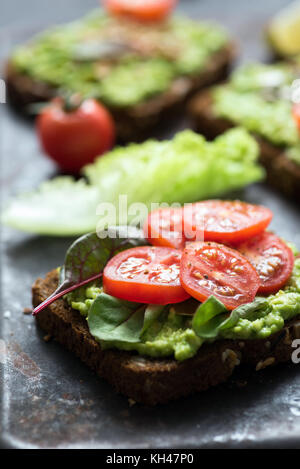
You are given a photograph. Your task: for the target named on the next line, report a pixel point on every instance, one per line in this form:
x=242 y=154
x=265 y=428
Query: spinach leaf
x=185 y=308
x=245 y=311
x=212 y=317
x=208 y=317
x=87 y=257
x=112 y=319
x=151 y=313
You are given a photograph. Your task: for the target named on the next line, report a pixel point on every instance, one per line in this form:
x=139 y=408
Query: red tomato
x=229 y=221
x=142 y=10
x=164 y=227
x=212 y=220
x=213 y=269
x=296 y=114
x=74 y=139
x=272 y=258
x=145 y=274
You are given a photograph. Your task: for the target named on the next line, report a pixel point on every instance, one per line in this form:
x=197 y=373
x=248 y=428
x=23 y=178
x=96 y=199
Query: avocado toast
x=259 y=97
x=157 y=352
x=141 y=72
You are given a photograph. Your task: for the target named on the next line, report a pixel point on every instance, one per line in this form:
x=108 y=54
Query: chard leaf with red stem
x=87 y=257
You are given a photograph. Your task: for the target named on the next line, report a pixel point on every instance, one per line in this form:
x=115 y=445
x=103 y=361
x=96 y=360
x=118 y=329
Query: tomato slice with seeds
x=145 y=274
x=164 y=227
x=213 y=269
x=272 y=258
x=229 y=221
x=211 y=220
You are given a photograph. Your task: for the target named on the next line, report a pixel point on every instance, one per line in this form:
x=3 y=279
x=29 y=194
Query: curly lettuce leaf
x=185 y=169
x=60 y=207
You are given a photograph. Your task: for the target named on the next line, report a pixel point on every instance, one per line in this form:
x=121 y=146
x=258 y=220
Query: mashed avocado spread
x=171 y=333
x=120 y=62
x=258 y=97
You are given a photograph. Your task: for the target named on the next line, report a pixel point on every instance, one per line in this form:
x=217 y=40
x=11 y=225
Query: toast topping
x=120 y=61
x=264 y=99
x=180 y=329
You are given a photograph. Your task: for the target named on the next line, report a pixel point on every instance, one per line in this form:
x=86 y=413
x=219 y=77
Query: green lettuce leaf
x=59 y=207
x=185 y=169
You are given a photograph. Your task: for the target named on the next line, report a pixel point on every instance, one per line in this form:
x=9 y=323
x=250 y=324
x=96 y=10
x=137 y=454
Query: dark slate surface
x=50 y=399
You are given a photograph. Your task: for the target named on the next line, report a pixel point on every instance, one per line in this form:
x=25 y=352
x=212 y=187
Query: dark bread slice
x=282 y=173
x=148 y=380
x=133 y=123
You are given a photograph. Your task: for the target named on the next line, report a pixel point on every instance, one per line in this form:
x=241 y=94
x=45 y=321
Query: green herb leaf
x=151 y=314
x=112 y=319
x=212 y=316
x=185 y=308
x=208 y=317
x=244 y=312
x=87 y=257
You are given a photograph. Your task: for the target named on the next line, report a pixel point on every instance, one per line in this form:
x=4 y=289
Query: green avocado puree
x=171 y=334
x=69 y=56
x=258 y=97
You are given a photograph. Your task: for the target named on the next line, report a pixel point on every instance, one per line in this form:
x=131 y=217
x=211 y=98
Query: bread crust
x=134 y=123
x=282 y=173
x=152 y=380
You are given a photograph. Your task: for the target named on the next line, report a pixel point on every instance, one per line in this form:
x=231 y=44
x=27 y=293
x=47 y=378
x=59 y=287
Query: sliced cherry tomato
x=75 y=137
x=145 y=274
x=229 y=221
x=296 y=114
x=142 y=10
x=272 y=258
x=172 y=227
x=164 y=227
x=213 y=269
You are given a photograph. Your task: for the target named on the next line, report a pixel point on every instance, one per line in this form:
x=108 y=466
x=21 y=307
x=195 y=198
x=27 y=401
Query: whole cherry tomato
x=75 y=136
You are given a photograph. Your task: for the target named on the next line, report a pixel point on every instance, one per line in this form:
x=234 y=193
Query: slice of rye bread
x=282 y=173
x=133 y=123
x=154 y=380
